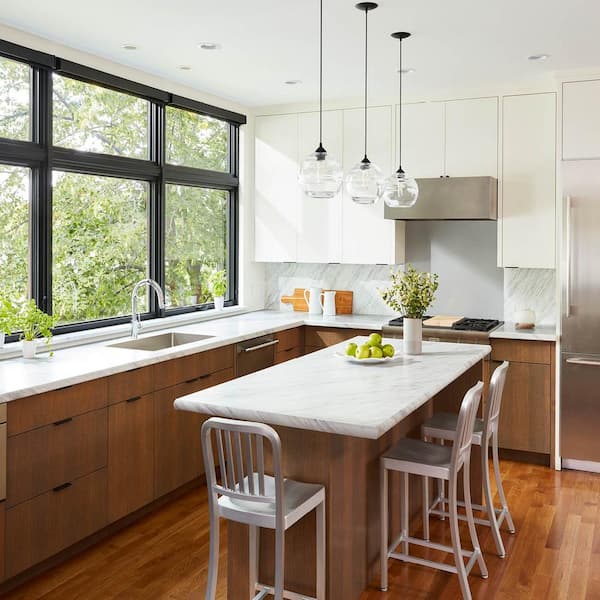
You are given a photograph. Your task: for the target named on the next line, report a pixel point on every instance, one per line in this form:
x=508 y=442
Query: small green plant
x=8 y=316
x=412 y=292
x=217 y=282
x=35 y=323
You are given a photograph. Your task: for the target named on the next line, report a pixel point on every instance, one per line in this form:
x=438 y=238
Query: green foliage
x=34 y=323
x=218 y=282
x=411 y=292
x=100 y=233
x=8 y=316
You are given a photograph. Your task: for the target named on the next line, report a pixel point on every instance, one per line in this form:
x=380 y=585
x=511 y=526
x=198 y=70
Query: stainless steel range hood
x=451 y=199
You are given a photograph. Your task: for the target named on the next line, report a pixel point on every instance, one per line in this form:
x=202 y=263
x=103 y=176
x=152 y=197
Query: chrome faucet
x=136 y=323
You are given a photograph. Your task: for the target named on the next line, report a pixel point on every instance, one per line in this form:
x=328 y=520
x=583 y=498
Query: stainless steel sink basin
x=170 y=339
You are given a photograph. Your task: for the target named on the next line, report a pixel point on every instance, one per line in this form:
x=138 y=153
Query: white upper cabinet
x=422 y=139
x=276 y=188
x=472 y=137
x=581 y=120
x=527 y=232
x=367 y=238
x=319 y=219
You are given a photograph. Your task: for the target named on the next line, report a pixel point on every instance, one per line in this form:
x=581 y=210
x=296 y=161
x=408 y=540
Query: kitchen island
x=335 y=419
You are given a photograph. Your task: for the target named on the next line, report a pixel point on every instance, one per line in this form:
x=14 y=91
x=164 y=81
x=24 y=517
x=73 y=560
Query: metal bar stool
x=443 y=426
x=417 y=457
x=246 y=495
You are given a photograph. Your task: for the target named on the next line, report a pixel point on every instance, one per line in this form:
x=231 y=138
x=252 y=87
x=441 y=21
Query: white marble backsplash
x=363 y=280
x=530 y=288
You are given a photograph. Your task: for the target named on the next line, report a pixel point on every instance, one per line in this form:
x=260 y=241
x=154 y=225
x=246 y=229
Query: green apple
x=351 y=349
x=376 y=352
x=363 y=351
x=389 y=350
x=374 y=339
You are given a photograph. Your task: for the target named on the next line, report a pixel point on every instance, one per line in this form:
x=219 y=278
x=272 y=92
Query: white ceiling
x=459 y=44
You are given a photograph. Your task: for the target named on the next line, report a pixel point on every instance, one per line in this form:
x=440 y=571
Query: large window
x=105 y=181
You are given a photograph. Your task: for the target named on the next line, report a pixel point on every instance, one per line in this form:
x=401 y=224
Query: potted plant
x=411 y=294
x=217 y=282
x=34 y=323
x=8 y=315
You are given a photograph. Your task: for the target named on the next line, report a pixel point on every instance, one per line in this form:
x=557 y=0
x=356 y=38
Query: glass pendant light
x=364 y=183
x=320 y=175
x=400 y=190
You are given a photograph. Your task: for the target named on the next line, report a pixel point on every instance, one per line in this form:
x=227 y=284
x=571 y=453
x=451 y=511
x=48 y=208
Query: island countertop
x=323 y=392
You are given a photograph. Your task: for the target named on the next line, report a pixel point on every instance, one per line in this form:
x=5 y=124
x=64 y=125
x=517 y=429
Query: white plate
x=367 y=361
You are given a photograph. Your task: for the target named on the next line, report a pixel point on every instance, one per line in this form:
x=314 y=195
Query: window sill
x=81 y=338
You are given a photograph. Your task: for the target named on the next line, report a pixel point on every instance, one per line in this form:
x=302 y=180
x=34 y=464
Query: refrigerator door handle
x=569 y=207
x=584 y=361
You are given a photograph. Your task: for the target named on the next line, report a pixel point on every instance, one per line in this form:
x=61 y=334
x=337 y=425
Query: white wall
x=251 y=289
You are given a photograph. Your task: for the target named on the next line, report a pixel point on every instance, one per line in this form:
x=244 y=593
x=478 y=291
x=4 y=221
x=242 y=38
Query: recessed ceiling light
x=539 y=57
x=129 y=47
x=293 y=81
x=209 y=46
x=184 y=68
x=407 y=71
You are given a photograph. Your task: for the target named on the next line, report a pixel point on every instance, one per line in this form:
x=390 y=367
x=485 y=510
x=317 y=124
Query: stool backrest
x=241 y=459
x=494 y=399
x=464 y=427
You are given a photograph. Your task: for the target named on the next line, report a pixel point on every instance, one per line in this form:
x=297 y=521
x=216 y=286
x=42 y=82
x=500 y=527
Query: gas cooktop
x=465 y=324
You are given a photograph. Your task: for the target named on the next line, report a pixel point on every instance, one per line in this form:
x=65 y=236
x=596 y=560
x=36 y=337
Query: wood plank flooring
x=555 y=553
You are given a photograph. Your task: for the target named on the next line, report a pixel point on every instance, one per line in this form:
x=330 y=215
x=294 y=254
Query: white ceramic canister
x=525 y=319
x=328 y=303
x=412 y=334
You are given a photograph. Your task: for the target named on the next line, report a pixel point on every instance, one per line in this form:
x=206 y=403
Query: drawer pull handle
x=198 y=378
x=133 y=399
x=583 y=361
x=260 y=346
x=60 y=488
x=62 y=421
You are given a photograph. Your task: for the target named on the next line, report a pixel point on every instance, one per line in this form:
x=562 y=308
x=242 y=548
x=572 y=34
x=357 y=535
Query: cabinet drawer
x=44 y=409
x=527 y=351
x=3 y=413
x=188 y=368
x=290 y=338
x=45 y=525
x=44 y=458
x=323 y=337
x=131 y=384
x=288 y=354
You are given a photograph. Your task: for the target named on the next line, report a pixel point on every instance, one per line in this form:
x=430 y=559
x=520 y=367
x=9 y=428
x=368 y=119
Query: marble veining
x=322 y=392
x=541 y=333
x=530 y=288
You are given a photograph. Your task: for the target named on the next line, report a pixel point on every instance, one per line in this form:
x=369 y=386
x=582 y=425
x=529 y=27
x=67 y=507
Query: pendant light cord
x=321 y=78
x=366 y=67
x=400 y=113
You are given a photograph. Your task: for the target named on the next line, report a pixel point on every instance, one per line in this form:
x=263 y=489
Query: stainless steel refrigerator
x=580 y=342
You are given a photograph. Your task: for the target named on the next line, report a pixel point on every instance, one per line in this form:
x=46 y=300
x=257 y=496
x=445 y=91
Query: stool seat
x=299 y=499
x=443 y=426
x=419 y=458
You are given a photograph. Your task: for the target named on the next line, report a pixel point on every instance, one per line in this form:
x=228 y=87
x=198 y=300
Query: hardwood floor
x=555 y=553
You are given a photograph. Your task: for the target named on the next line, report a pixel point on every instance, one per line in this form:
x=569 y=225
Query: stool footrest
x=500 y=512
x=266 y=590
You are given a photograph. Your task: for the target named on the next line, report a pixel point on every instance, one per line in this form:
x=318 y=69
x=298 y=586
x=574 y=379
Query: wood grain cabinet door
x=130 y=456
x=526 y=412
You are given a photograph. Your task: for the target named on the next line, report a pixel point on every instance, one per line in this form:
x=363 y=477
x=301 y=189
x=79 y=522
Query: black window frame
x=43 y=158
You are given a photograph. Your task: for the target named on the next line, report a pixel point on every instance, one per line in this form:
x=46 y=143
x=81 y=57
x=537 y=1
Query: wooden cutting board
x=441 y=321
x=343 y=301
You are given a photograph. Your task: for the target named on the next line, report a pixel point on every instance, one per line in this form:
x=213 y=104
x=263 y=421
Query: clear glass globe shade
x=400 y=191
x=320 y=175
x=364 y=183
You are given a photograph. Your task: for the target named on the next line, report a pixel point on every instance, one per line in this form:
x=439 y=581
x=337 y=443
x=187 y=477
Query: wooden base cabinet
x=130 y=455
x=527 y=413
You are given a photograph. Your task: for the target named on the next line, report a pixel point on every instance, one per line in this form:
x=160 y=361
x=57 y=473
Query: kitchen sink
x=170 y=339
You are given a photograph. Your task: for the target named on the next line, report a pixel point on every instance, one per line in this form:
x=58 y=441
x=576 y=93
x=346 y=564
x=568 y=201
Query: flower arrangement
x=217 y=281
x=412 y=292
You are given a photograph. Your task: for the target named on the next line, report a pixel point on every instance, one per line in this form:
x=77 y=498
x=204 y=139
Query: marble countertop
x=323 y=392
x=21 y=377
x=541 y=333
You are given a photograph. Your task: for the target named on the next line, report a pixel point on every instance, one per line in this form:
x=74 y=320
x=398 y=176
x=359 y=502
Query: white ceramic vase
x=412 y=333
x=29 y=348
x=219 y=302
x=2 y=336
